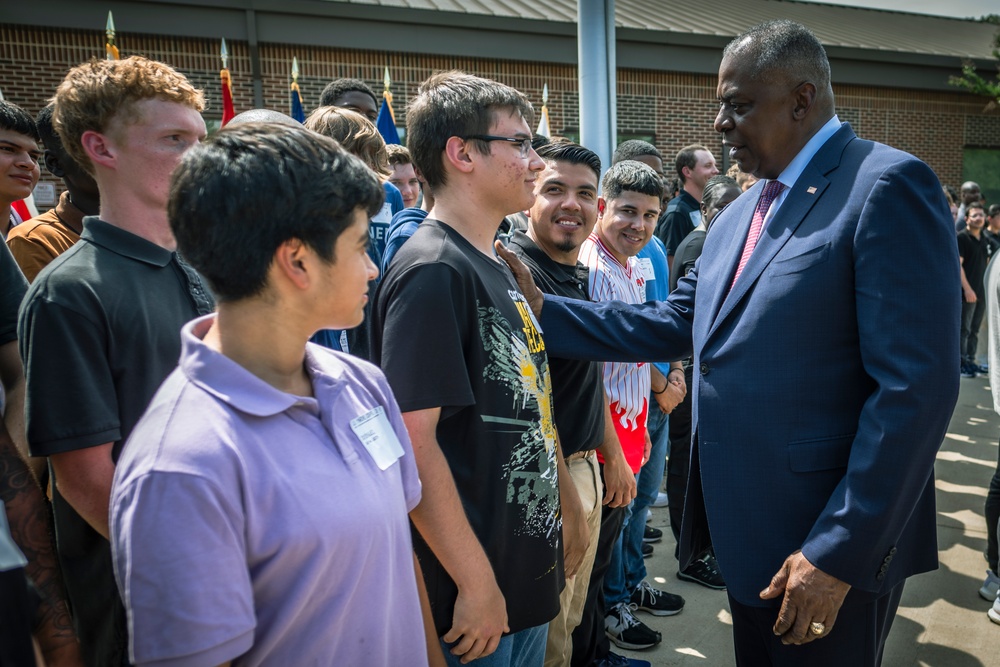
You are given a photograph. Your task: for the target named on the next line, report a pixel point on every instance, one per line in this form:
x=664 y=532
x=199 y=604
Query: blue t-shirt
x=653 y=264
x=402 y=227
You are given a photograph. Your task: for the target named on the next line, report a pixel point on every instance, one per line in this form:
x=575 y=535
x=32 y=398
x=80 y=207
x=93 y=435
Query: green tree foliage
x=976 y=84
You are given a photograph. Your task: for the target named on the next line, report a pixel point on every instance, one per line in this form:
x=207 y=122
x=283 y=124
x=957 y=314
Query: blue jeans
x=628 y=568
x=521 y=649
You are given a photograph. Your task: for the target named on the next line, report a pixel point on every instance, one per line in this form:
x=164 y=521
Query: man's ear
x=456 y=155
x=601 y=205
x=292 y=262
x=98 y=148
x=805 y=99
x=51 y=161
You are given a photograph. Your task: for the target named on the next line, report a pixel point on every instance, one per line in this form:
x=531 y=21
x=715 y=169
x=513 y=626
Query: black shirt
x=451 y=330
x=992 y=241
x=577 y=386
x=975 y=255
x=99 y=331
x=677 y=222
x=14 y=287
x=687 y=254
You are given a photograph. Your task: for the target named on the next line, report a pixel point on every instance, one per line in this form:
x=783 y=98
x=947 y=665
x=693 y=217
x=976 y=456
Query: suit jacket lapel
x=798 y=202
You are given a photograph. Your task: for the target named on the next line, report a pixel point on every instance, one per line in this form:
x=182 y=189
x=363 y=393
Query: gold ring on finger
x=817 y=628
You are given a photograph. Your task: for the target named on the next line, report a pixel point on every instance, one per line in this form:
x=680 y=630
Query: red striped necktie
x=767 y=197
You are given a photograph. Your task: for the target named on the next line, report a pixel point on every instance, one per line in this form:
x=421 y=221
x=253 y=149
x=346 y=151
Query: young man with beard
x=563 y=215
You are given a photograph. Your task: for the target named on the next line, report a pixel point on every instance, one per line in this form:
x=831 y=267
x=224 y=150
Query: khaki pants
x=559 y=645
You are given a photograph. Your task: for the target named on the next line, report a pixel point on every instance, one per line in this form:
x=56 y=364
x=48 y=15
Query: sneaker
x=661 y=500
x=990 y=587
x=647 y=549
x=652 y=535
x=656 y=602
x=968 y=371
x=994 y=612
x=614 y=660
x=626 y=631
x=704 y=571
x=983 y=368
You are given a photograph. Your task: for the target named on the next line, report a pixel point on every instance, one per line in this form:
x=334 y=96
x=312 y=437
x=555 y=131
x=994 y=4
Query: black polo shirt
x=99 y=330
x=577 y=386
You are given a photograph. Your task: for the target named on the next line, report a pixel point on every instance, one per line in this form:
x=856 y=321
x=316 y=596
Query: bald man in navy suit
x=824 y=328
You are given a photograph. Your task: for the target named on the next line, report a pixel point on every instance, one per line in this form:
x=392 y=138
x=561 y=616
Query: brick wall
x=675 y=108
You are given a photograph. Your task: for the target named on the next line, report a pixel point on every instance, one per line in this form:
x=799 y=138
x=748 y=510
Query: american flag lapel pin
x=811 y=189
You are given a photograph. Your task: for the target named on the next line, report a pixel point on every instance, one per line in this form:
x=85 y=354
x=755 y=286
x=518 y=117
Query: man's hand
x=672 y=396
x=576 y=536
x=619 y=482
x=479 y=621
x=970 y=294
x=522 y=275
x=810 y=596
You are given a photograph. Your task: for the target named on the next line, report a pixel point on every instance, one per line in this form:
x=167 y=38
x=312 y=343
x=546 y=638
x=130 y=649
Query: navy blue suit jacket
x=823 y=382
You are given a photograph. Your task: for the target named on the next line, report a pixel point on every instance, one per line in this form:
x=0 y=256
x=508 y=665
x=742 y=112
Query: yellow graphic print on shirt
x=520 y=364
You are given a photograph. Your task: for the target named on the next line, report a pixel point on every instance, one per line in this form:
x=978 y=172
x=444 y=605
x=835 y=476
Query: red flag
x=227 y=97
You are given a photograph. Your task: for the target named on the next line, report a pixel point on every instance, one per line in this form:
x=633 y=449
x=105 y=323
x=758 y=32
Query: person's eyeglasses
x=523 y=144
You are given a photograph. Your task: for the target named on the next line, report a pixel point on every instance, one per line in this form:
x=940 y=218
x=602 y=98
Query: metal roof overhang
x=377 y=27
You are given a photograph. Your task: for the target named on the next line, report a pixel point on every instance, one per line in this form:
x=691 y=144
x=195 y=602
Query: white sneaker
x=994 y=612
x=990 y=587
x=661 y=500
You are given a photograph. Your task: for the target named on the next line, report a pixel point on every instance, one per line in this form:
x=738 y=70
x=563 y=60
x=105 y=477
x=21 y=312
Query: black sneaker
x=647 y=549
x=704 y=571
x=656 y=602
x=652 y=535
x=625 y=630
x=968 y=371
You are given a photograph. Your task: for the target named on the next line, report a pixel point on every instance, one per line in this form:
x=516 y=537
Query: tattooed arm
x=30 y=526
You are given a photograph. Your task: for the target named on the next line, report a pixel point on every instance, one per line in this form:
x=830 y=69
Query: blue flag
x=385 y=124
x=297 y=112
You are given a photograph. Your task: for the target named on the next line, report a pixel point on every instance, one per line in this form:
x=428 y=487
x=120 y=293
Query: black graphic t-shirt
x=451 y=330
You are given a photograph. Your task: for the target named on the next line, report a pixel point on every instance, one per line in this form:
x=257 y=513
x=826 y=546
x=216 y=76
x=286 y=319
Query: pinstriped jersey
x=627 y=385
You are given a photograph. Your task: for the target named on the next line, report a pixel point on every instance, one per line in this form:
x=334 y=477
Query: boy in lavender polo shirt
x=259 y=511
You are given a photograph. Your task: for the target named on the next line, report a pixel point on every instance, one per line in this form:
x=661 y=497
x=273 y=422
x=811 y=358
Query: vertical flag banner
x=110 y=50
x=297 y=112
x=386 y=121
x=543 y=123
x=227 y=86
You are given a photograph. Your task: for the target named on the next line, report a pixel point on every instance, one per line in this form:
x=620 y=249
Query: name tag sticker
x=376 y=434
x=646 y=268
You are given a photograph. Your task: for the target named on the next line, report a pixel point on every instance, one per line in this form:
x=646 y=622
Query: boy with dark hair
x=301 y=540
x=353 y=94
x=640 y=151
x=973 y=255
x=43 y=238
x=19 y=155
x=468 y=366
x=627 y=212
x=98 y=328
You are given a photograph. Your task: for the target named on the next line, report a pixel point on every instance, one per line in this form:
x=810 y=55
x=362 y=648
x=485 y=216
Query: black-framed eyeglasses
x=523 y=144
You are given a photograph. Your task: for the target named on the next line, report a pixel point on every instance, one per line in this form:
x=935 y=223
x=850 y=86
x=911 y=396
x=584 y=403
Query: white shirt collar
x=791 y=174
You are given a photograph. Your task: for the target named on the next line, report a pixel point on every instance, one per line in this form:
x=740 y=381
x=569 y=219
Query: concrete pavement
x=942 y=620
